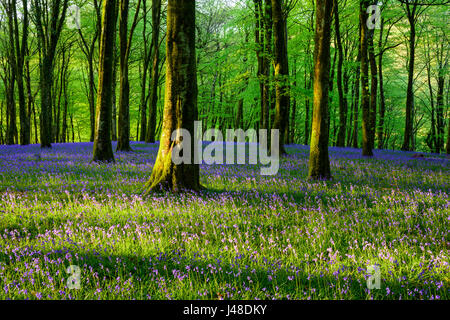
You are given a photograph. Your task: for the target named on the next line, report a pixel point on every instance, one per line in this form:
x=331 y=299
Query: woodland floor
x=247 y=237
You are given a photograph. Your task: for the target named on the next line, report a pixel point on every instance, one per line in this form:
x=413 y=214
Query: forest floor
x=247 y=237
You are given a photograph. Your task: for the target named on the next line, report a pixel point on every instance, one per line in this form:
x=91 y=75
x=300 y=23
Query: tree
x=19 y=44
x=263 y=36
x=319 y=162
x=125 y=40
x=180 y=106
x=365 y=94
x=413 y=9
x=88 y=48
x=48 y=17
x=154 y=76
x=343 y=106
x=281 y=72
x=102 y=140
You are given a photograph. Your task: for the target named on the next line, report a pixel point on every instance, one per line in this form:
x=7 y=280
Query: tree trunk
x=180 y=109
x=365 y=101
x=319 y=162
x=373 y=89
x=102 y=140
x=154 y=77
x=20 y=60
x=281 y=73
x=142 y=125
x=342 y=99
x=123 y=142
x=408 y=135
x=49 y=19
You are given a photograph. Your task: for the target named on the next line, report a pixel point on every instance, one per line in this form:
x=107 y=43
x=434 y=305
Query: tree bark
x=365 y=95
x=123 y=142
x=408 y=134
x=281 y=73
x=154 y=76
x=102 y=140
x=319 y=162
x=373 y=89
x=343 y=105
x=382 y=109
x=49 y=19
x=180 y=109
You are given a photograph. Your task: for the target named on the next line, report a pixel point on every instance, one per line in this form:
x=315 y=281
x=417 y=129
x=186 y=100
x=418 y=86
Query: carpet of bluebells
x=246 y=237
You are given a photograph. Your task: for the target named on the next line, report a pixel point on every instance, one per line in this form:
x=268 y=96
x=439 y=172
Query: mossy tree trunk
x=102 y=139
x=281 y=72
x=319 y=162
x=180 y=106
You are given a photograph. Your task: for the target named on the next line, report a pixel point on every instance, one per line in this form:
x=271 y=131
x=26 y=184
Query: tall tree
x=88 y=47
x=373 y=88
x=146 y=54
x=125 y=40
x=263 y=36
x=281 y=71
x=154 y=71
x=343 y=105
x=48 y=17
x=102 y=140
x=413 y=9
x=19 y=43
x=180 y=106
x=319 y=162
x=365 y=94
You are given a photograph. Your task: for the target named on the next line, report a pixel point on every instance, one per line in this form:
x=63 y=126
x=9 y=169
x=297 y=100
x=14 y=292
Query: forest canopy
x=50 y=62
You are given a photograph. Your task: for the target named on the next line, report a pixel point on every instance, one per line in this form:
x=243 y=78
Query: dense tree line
x=325 y=73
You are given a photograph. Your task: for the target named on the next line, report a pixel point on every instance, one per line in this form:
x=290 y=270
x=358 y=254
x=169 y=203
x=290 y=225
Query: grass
x=246 y=237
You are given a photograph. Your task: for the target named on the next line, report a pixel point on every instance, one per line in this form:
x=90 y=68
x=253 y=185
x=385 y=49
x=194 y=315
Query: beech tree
x=319 y=161
x=365 y=93
x=125 y=40
x=279 y=15
x=19 y=44
x=102 y=140
x=180 y=105
x=154 y=73
x=48 y=17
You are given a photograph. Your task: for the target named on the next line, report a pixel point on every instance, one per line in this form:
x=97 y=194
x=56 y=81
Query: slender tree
x=154 y=71
x=88 y=47
x=19 y=43
x=319 y=162
x=343 y=106
x=281 y=71
x=48 y=17
x=365 y=93
x=102 y=140
x=180 y=107
x=125 y=40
